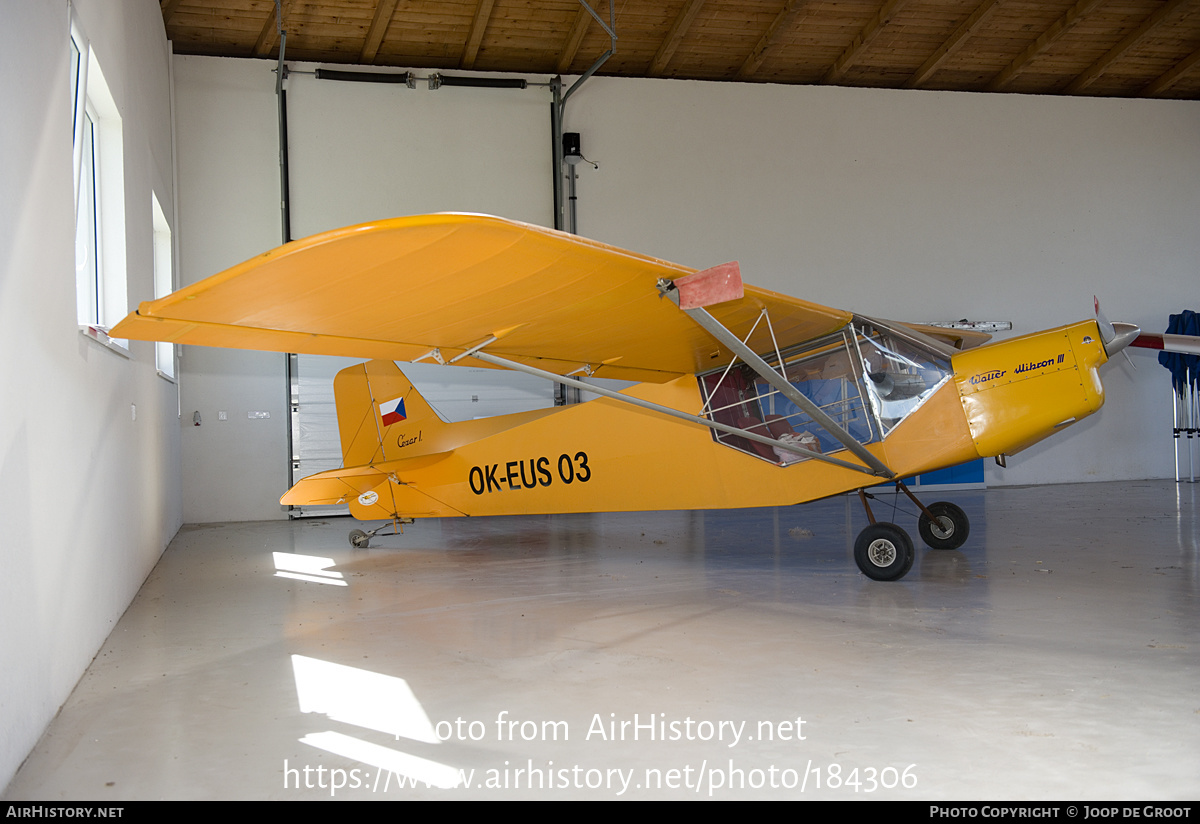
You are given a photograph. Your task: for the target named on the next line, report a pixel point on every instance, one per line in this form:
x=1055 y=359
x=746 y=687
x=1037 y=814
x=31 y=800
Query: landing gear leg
x=362 y=540
x=879 y=551
x=883 y=551
x=942 y=525
x=948 y=529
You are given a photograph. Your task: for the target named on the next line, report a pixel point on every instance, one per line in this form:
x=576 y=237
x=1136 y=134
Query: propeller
x=1116 y=336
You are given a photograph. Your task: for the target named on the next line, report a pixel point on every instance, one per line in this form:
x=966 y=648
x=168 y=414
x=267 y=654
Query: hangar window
x=164 y=352
x=99 y=195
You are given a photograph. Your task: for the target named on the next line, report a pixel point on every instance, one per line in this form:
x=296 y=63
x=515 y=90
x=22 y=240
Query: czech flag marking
x=392 y=411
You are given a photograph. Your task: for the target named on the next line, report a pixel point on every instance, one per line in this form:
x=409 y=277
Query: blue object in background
x=968 y=475
x=1185 y=369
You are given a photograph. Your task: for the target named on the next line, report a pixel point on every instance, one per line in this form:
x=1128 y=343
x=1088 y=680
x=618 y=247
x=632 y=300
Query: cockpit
x=865 y=379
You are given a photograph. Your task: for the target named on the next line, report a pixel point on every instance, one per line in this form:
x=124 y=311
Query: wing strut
x=751 y=358
x=487 y=357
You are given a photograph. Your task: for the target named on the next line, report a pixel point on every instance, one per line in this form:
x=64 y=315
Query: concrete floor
x=1053 y=657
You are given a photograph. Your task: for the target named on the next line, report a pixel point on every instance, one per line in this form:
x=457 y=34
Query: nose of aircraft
x=1118 y=335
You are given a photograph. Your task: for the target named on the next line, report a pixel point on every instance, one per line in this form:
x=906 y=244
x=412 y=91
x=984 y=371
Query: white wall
x=922 y=206
x=228 y=148
x=905 y=204
x=364 y=151
x=89 y=497
x=357 y=152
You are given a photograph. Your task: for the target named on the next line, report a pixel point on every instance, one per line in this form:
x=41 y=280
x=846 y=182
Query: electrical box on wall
x=572 y=151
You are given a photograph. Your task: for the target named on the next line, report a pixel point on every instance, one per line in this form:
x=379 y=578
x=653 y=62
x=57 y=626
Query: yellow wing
x=396 y=289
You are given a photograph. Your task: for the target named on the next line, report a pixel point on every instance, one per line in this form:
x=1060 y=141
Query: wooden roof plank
x=862 y=41
x=1057 y=29
x=1164 y=82
x=783 y=20
x=268 y=38
x=953 y=43
x=479 y=23
x=377 y=30
x=1093 y=72
x=168 y=10
x=679 y=28
x=1023 y=46
x=578 y=29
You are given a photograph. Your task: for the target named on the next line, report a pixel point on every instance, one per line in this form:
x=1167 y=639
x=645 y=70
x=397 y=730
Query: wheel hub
x=881 y=552
x=942 y=528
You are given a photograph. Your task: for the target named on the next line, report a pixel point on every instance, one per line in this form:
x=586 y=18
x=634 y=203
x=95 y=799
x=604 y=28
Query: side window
x=825 y=371
x=100 y=281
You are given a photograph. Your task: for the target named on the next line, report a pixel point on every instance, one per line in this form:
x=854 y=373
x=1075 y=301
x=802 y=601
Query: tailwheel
x=948 y=529
x=884 y=552
x=362 y=540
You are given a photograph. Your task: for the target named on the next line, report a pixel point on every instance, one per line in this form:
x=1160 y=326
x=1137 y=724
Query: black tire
x=949 y=531
x=359 y=539
x=884 y=552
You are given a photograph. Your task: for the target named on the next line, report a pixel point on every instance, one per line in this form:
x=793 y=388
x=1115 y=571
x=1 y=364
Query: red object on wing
x=717 y=284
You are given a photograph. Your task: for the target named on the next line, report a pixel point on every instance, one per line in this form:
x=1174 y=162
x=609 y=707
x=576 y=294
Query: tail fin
x=379 y=413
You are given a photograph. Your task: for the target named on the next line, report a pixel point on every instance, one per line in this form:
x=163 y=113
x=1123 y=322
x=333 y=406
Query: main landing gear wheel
x=949 y=528
x=884 y=552
x=359 y=539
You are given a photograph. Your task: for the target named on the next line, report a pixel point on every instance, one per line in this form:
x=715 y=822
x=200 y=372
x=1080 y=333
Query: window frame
x=164 y=282
x=101 y=279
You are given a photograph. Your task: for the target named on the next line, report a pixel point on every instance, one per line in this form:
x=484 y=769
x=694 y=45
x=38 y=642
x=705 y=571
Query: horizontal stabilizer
x=337 y=486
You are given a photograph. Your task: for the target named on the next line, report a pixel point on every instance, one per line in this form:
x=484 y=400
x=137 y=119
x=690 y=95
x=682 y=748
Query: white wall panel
x=89 y=492
x=906 y=204
x=227 y=135
x=366 y=151
x=921 y=206
x=357 y=152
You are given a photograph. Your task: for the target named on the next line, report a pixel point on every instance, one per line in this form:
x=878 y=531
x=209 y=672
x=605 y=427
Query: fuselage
x=605 y=455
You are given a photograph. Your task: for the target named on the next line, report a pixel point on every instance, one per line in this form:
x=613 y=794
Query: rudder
x=376 y=406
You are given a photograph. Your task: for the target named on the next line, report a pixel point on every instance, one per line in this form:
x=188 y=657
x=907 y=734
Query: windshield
x=900 y=373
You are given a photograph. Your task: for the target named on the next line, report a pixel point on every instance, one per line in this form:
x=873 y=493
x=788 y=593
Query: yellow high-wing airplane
x=744 y=397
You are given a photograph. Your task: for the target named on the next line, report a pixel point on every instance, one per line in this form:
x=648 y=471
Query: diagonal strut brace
x=487 y=357
x=751 y=358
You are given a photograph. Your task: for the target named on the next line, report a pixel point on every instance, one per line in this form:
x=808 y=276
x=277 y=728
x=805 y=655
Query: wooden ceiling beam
x=376 y=31
x=574 y=40
x=1056 y=30
x=862 y=42
x=782 y=22
x=483 y=13
x=955 y=42
x=1128 y=42
x=268 y=38
x=670 y=43
x=1166 y=81
x=168 y=9
x=1073 y=50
